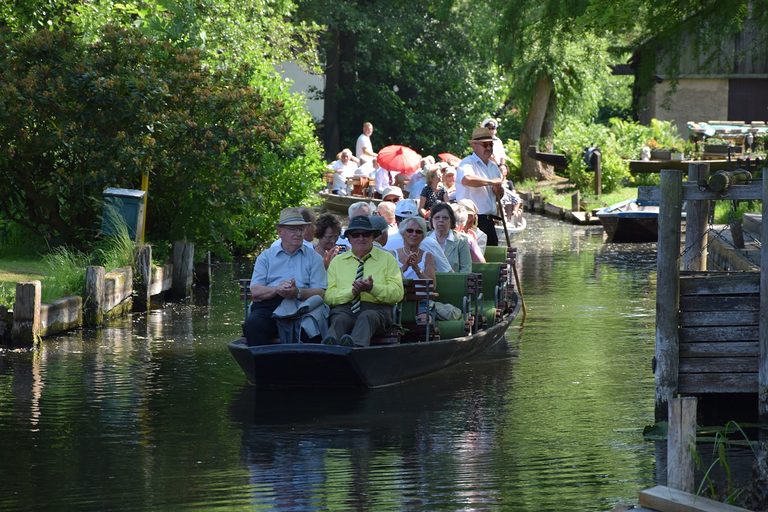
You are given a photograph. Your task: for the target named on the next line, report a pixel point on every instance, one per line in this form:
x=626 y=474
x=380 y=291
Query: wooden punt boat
x=630 y=221
x=340 y=204
x=316 y=365
x=379 y=365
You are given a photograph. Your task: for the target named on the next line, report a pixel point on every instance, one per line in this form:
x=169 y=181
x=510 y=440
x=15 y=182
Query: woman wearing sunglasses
x=415 y=263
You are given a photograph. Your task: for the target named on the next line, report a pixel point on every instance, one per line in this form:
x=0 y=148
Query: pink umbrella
x=449 y=158
x=399 y=158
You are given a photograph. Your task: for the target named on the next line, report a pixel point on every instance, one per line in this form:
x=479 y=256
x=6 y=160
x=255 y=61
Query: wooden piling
x=667 y=350
x=183 y=266
x=25 y=330
x=697 y=218
x=681 y=443
x=203 y=271
x=576 y=201
x=142 y=277
x=93 y=302
x=762 y=382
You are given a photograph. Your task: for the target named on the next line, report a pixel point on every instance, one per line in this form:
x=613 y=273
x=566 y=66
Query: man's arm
x=470 y=180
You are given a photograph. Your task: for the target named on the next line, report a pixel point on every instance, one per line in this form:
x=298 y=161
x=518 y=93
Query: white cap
x=406 y=208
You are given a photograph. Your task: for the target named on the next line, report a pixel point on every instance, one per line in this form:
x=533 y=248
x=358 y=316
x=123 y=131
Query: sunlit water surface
x=152 y=413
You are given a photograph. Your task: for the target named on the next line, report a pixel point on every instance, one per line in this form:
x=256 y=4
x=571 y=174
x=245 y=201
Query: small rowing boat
x=630 y=221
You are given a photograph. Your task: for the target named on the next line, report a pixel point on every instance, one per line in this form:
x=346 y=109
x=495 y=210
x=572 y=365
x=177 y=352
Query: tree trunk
x=330 y=96
x=532 y=129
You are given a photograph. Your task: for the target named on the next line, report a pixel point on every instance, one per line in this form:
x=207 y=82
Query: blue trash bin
x=127 y=204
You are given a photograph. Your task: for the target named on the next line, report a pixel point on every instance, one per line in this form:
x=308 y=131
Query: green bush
x=619 y=141
x=225 y=148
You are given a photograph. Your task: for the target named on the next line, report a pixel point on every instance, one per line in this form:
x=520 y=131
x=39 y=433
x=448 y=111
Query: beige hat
x=468 y=204
x=392 y=190
x=291 y=217
x=481 y=135
x=450 y=170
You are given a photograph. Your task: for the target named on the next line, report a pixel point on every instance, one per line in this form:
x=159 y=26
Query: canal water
x=152 y=413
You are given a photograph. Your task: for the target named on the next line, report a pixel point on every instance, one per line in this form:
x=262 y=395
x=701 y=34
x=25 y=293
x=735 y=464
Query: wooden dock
x=710 y=336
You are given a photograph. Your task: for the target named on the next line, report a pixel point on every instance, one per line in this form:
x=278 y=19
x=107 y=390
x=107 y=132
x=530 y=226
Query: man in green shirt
x=363 y=285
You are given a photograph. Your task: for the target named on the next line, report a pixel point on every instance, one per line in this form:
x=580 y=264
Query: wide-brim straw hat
x=291 y=217
x=482 y=134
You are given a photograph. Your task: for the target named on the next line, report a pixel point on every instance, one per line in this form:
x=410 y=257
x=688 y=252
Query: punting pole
x=500 y=211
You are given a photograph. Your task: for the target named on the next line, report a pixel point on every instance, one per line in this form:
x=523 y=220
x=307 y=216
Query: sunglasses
x=411 y=231
x=392 y=200
x=484 y=144
x=359 y=234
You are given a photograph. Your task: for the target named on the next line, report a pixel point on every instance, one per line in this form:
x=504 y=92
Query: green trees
x=423 y=73
x=223 y=156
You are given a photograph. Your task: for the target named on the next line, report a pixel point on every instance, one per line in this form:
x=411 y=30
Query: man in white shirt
x=363 y=148
x=342 y=168
x=479 y=179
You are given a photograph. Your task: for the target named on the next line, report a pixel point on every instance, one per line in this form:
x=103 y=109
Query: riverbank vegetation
x=103 y=93
x=61 y=269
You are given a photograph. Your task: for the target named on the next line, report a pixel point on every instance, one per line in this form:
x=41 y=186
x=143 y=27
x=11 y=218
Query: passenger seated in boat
x=327 y=231
x=288 y=270
x=342 y=168
x=461 y=214
x=433 y=192
x=363 y=285
x=415 y=263
x=387 y=211
x=470 y=227
x=454 y=244
x=405 y=209
x=380 y=225
x=449 y=182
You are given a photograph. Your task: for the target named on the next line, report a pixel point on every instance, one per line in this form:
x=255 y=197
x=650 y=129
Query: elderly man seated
x=289 y=269
x=363 y=285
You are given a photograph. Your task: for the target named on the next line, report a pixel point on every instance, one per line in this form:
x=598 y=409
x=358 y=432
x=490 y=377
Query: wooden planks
x=719 y=332
x=666 y=499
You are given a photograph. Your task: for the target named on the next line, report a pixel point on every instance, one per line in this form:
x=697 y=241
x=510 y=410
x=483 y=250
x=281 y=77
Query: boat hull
x=315 y=365
x=340 y=204
x=631 y=228
x=630 y=222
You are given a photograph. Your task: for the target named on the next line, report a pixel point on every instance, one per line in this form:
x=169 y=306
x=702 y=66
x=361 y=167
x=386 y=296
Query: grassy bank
x=62 y=270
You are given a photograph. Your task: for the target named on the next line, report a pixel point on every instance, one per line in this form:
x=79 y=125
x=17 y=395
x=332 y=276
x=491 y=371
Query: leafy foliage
x=223 y=156
x=422 y=72
x=618 y=142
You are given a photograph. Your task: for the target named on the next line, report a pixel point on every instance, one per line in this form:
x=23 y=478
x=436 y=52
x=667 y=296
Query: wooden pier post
x=183 y=266
x=697 y=215
x=143 y=277
x=576 y=201
x=681 y=443
x=93 y=302
x=25 y=330
x=667 y=350
x=762 y=381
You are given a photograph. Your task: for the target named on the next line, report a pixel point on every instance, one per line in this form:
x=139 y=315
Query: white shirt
x=382 y=179
x=341 y=173
x=363 y=142
x=416 y=185
x=483 y=197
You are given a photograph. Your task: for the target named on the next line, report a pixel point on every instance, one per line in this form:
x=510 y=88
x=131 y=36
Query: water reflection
x=151 y=412
x=422 y=446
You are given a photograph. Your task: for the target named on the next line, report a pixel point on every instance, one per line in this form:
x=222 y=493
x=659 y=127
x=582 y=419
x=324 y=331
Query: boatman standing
x=479 y=179
x=363 y=285
x=289 y=269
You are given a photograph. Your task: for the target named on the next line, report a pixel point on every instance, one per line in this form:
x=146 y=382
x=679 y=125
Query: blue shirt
x=274 y=266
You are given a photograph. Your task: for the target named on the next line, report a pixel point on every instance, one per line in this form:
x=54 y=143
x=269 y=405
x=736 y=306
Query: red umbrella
x=450 y=158
x=399 y=158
